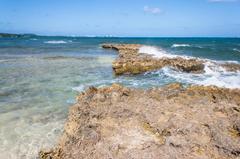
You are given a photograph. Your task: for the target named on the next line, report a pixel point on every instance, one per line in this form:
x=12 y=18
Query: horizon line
x=113 y=36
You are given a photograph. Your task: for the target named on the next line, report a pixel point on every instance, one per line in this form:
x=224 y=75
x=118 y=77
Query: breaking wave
x=56 y=42
x=217 y=77
x=214 y=73
x=237 y=50
x=156 y=52
x=181 y=45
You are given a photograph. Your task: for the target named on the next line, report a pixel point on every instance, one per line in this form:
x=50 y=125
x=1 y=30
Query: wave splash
x=156 y=52
x=214 y=73
x=217 y=77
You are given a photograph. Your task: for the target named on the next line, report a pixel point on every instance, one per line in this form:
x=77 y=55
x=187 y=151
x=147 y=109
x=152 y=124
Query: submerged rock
x=132 y=62
x=233 y=67
x=170 y=122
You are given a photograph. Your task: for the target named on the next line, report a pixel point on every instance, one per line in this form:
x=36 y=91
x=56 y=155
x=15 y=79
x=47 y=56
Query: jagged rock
x=169 y=122
x=132 y=62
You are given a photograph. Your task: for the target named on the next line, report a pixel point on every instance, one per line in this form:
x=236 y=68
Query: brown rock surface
x=132 y=62
x=170 y=122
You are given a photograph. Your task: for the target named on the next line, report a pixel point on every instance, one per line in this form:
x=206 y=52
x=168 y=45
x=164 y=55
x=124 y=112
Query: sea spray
x=155 y=51
x=213 y=75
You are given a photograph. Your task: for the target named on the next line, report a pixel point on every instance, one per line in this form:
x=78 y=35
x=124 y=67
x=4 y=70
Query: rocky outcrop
x=170 y=122
x=132 y=62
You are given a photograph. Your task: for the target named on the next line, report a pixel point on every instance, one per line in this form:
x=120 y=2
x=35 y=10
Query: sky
x=151 y=18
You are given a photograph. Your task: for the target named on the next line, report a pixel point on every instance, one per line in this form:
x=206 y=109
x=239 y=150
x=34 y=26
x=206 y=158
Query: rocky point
x=168 y=122
x=130 y=61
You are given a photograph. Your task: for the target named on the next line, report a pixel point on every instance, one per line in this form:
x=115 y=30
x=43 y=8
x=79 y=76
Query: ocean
x=40 y=77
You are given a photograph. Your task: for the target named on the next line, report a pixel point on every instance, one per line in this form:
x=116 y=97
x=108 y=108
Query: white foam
x=56 y=42
x=79 y=88
x=214 y=75
x=237 y=50
x=181 y=45
x=156 y=52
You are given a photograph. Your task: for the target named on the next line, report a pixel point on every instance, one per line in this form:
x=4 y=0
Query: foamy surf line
x=158 y=52
x=218 y=77
x=56 y=42
x=237 y=50
x=186 y=46
x=181 y=45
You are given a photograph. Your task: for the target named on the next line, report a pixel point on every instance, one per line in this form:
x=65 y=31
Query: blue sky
x=121 y=17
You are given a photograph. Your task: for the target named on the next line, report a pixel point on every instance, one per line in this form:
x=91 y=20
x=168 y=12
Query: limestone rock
x=132 y=62
x=169 y=122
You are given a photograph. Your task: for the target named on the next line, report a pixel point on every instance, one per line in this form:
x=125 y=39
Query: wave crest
x=56 y=42
x=180 y=45
x=214 y=75
x=237 y=50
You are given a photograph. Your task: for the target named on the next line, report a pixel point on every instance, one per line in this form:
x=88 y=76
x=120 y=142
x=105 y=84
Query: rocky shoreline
x=168 y=122
x=130 y=61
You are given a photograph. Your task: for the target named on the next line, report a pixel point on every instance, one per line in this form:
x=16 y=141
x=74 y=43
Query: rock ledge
x=132 y=62
x=169 y=122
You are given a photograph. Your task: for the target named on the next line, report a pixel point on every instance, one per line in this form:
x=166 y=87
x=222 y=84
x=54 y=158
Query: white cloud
x=152 y=10
x=223 y=0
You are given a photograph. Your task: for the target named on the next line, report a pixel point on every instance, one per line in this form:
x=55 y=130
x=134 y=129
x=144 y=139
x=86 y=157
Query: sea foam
x=156 y=52
x=213 y=74
x=237 y=50
x=181 y=45
x=56 y=42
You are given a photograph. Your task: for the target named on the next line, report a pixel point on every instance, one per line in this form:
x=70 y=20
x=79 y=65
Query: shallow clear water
x=41 y=76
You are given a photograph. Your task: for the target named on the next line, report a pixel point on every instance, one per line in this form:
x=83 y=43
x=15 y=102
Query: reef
x=167 y=122
x=130 y=61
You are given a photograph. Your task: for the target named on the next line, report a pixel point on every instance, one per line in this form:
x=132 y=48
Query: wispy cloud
x=152 y=10
x=216 y=1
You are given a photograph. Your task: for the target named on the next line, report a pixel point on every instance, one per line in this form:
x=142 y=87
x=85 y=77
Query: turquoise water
x=41 y=76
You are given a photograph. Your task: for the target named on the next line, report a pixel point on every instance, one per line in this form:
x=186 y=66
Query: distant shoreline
x=16 y=35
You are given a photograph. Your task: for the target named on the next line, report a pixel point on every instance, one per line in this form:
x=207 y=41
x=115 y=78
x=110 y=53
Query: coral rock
x=168 y=122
